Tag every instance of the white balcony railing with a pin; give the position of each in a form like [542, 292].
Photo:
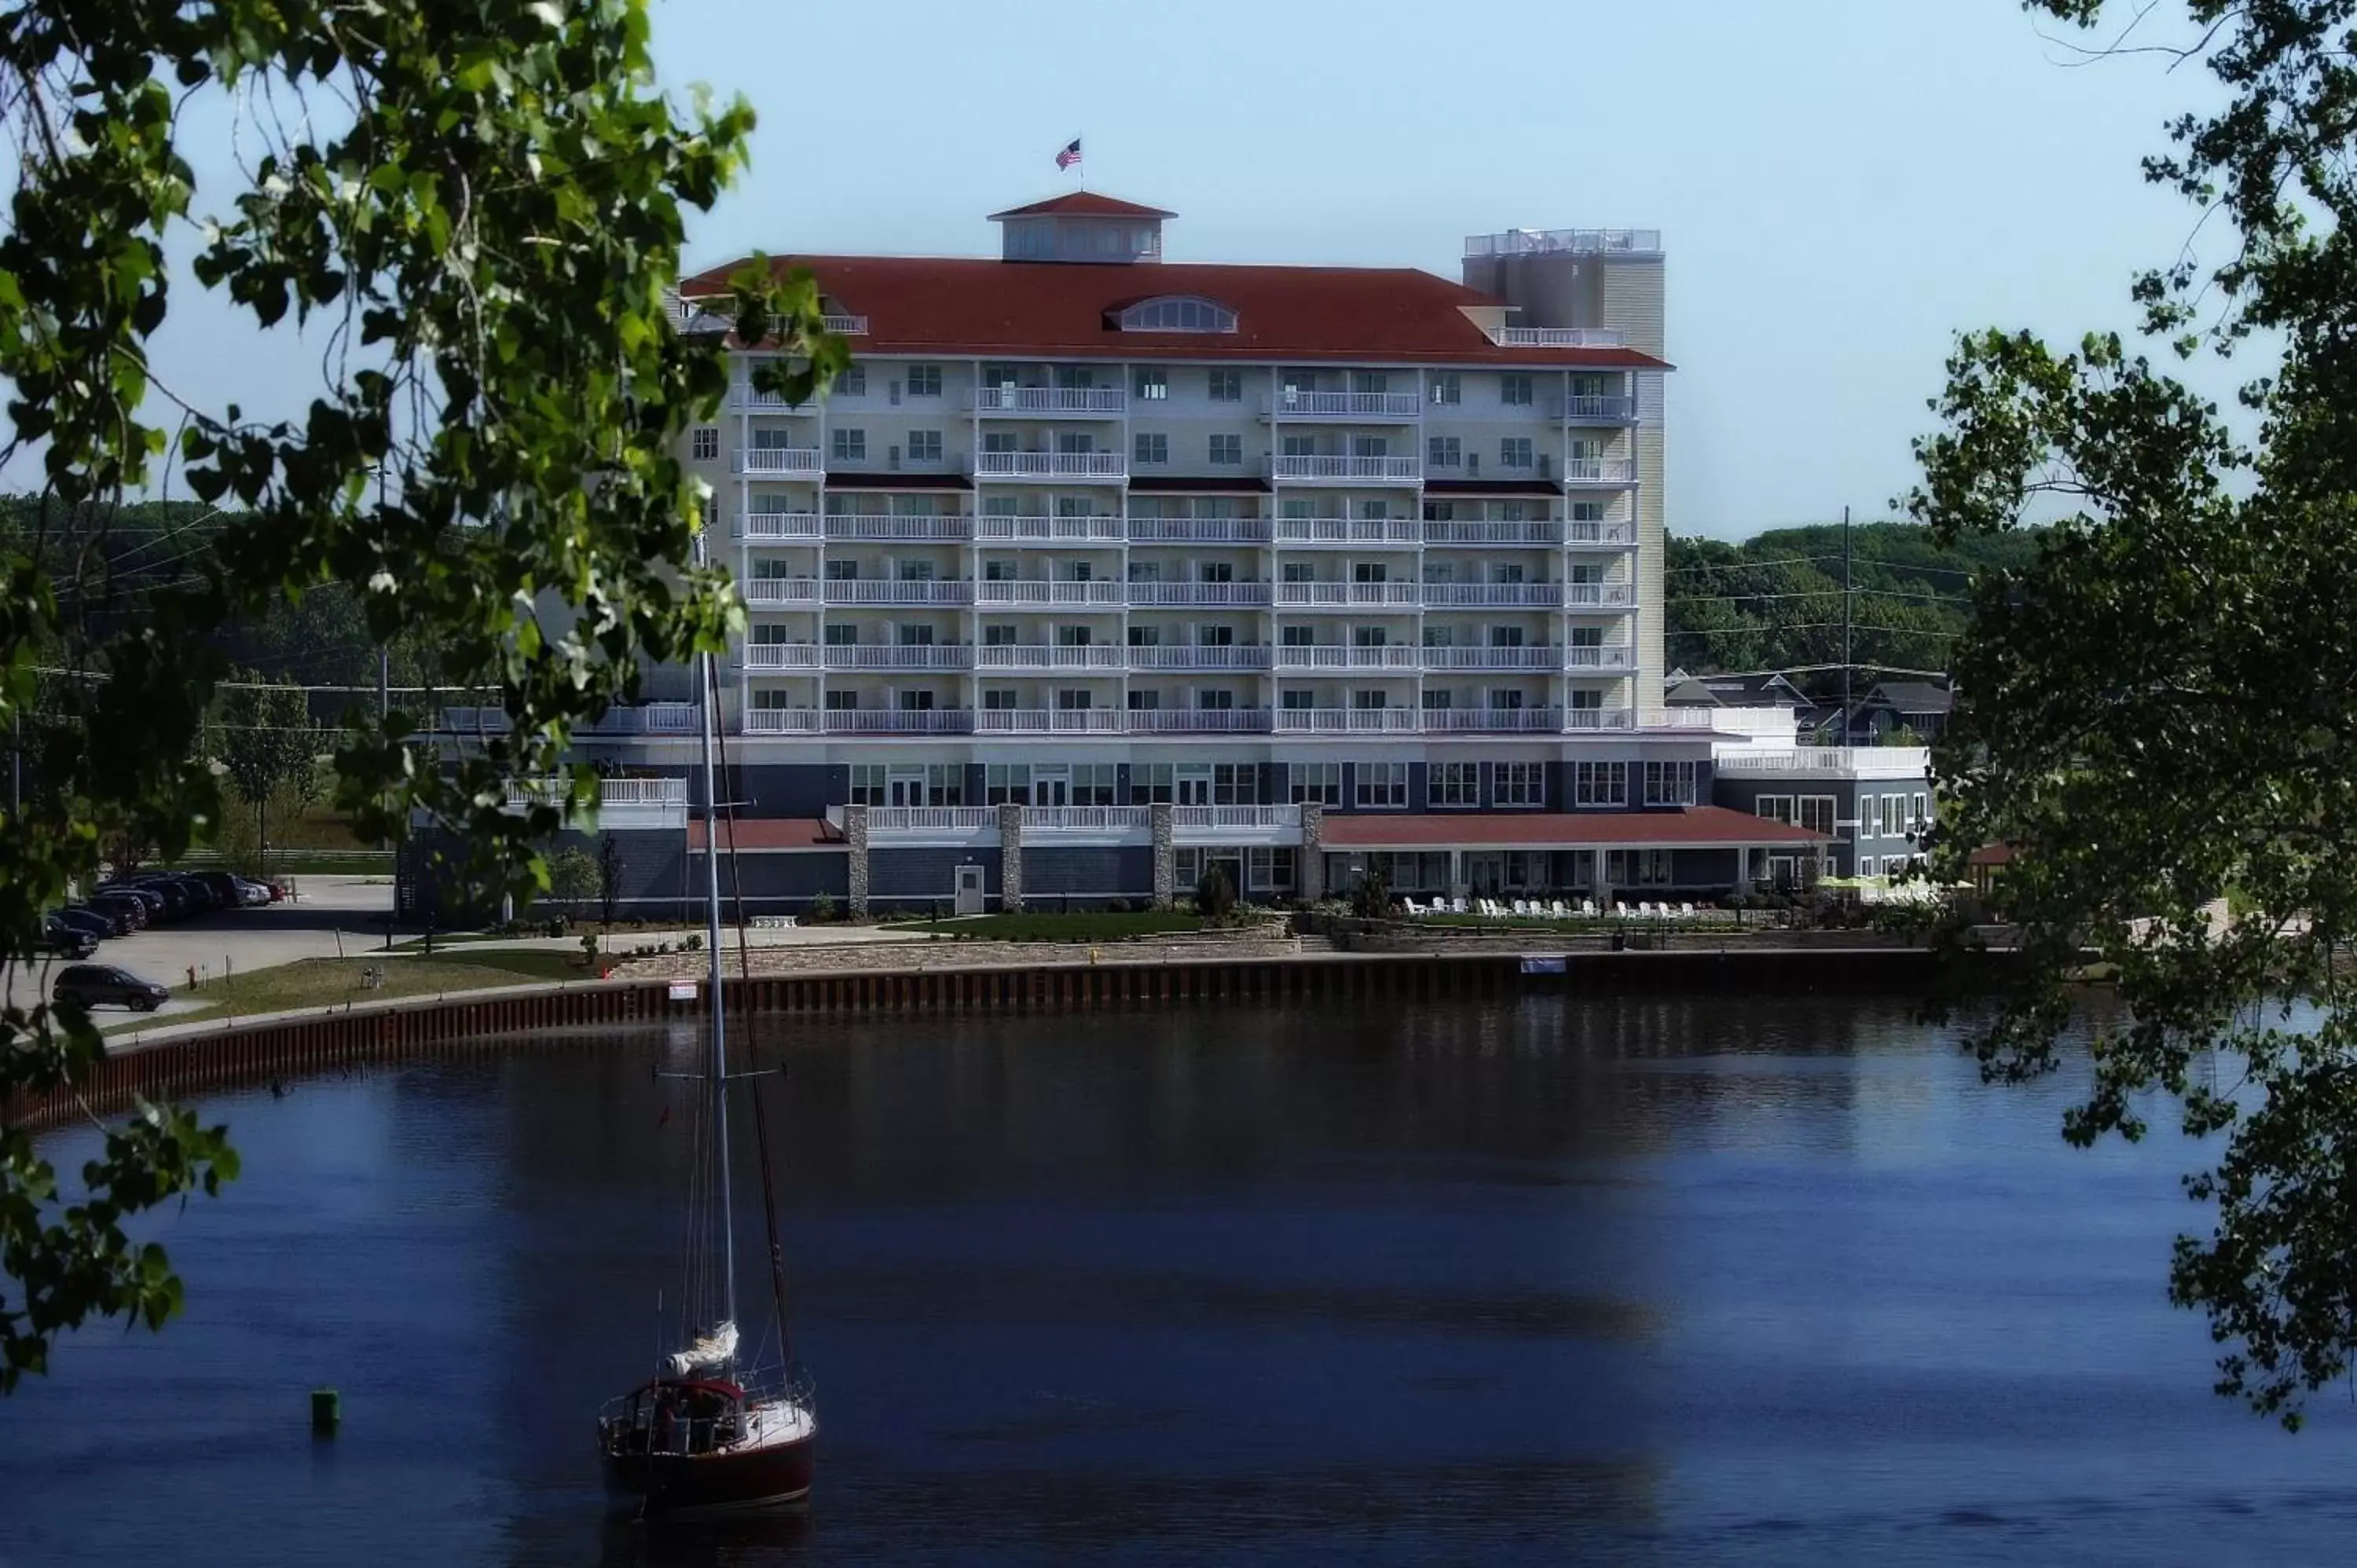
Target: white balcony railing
[1594, 656]
[647, 718]
[1088, 819]
[1678, 718]
[849, 326]
[1840, 761]
[1401, 531]
[1041, 656]
[1496, 721]
[899, 721]
[1524, 595]
[1203, 819]
[1199, 531]
[762, 592]
[742, 394]
[1295, 404]
[1049, 400]
[893, 591]
[1346, 721]
[1347, 595]
[1030, 591]
[805, 461]
[1596, 410]
[1614, 532]
[1049, 530]
[1581, 719]
[1049, 721]
[901, 530]
[1389, 655]
[1197, 721]
[1050, 466]
[1565, 242]
[930, 819]
[802, 527]
[1544, 656]
[1346, 470]
[627, 793]
[1558, 337]
[1599, 470]
[782, 656]
[781, 721]
[1149, 595]
[1246, 656]
[1537, 531]
[898, 656]
[1599, 596]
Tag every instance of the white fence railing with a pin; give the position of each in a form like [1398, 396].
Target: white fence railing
[782, 656]
[1541, 656]
[1346, 721]
[1293, 403]
[804, 460]
[1020, 591]
[1200, 819]
[1347, 596]
[930, 530]
[1043, 656]
[1051, 465]
[1496, 721]
[1565, 242]
[802, 527]
[1558, 337]
[930, 819]
[1539, 532]
[766, 591]
[895, 656]
[1842, 761]
[1402, 530]
[1088, 819]
[1049, 530]
[1599, 470]
[1389, 656]
[899, 721]
[1198, 721]
[781, 721]
[1529, 596]
[1199, 531]
[1049, 721]
[1596, 410]
[1346, 470]
[1050, 399]
[1149, 594]
[1246, 656]
[882, 591]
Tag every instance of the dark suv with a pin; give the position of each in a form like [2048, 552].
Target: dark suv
[89, 984]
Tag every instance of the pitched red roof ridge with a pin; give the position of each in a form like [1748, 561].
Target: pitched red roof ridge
[1086, 204]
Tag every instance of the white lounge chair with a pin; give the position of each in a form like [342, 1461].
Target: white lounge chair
[1457, 907]
[1685, 911]
[1588, 909]
[1521, 909]
[1410, 905]
[1555, 911]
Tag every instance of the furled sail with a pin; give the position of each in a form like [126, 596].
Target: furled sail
[709, 1353]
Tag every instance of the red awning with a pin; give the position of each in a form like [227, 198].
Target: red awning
[769, 834]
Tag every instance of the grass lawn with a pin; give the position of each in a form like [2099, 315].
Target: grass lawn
[319, 981]
[1082, 926]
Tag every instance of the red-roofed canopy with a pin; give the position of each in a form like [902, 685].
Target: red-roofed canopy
[1082, 204]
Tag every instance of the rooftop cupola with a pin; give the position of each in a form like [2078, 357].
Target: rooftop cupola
[1081, 226]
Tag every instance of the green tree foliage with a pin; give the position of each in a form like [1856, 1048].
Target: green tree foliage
[2161, 704]
[1215, 896]
[1774, 601]
[266, 742]
[475, 212]
[572, 878]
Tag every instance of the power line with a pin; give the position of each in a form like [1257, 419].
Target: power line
[1826, 593]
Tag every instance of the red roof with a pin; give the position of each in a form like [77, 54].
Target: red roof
[769, 834]
[977, 307]
[1691, 827]
[1084, 204]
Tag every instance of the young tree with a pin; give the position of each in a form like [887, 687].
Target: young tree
[609, 878]
[266, 742]
[572, 879]
[477, 210]
[2162, 707]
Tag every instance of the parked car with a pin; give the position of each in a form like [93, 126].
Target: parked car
[97, 926]
[93, 984]
[117, 923]
[252, 895]
[133, 910]
[151, 899]
[224, 887]
[67, 941]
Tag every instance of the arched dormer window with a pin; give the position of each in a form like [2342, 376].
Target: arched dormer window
[1176, 313]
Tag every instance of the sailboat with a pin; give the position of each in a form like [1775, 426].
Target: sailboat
[713, 1432]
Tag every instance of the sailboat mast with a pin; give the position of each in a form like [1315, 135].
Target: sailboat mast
[708, 679]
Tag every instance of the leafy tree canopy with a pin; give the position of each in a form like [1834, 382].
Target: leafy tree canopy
[2156, 708]
[476, 208]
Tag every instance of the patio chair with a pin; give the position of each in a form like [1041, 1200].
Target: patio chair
[1521, 909]
[1588, 909]
[1685, 911]
[1555, 911]
[1457, 907]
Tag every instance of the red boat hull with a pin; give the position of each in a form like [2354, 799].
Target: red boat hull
[689, 1486]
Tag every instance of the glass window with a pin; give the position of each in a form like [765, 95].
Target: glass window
[1227, 450]
[1006, 784]
[1177, 315]
[848, 445]
[1670, 783]
[1227, 386]
[924, 446]
[1380, 786]
[708, 443]
[1153, 384]
[1514, 452]
[1152, 448]
[1448, 389]
[1518, 783]
[1600, 784]
[1816, 813]
[924, 380]
[1318, 783]
[945, 784]
[1445, 452]
[1453, 784]
[1775, 808]
[868, 784]
[852, 382]
[1514, 390]
[842, 702]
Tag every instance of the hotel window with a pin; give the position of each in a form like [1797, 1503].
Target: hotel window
[1144, 701]
[1000, 441]
[1297, 699]
[708, 443]
[1272, 869]
[1514, 390]
[1227, 386]
[1448, 389]
[1669, 783]
[848, 445]
[1235, 783]
[1006, 784]
[1215, 699]
[1894, 816]
[1773, 808]
[1073, 700]
[1227, 450]
[1816, 813]
[1145, 635]
[852, 382]
[1093, 783]
[924, 446]
[1600, 784]
[945, 784]
[1152, 450]
[924, 380]
[868, 784]
[999, 700]
[840, 634]
[1366, 702]
[916, 701]
[1514, 452]
[1438, 699]
[1380, 785]
[1152, 385]
[843, 702]
[1518, 783]
[1296, 637]
[1314, 783]
[841, 569]
[1444, 452]
[1587, 511]
[1922, 815]
[1149, 782]
[1453, 784]
[1299, 571]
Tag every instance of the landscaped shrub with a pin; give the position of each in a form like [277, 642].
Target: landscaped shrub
[1215, 896]
[1371, 899]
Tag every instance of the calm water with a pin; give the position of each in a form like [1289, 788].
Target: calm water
[1640, 1281]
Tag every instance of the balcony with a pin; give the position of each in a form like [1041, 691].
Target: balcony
[1595, 409]
[883, 591]
[1617, 533]
[1231, 596]
[1610, 656]
[930, 819]
[1578, 720]
[646, 718]
[1100, 656]
[1092, 594]
[769, 593]
[1680, 718]
[1346, 470]
[1493, 596]
[898, 721]
[1248, 656]
[741, 394]
[847, 325]
[1497, 721]
[1087, 819]
[1538, 532]
[1050, 721]
[1600, 471]
[1544, 656]
[1558, 337]
[1048, 402]
[1049, 530]
[898, 656]
[782, 462]
[1599, 596]
[1828, 761]
[1213, 819]
[1403, 531]
[1197, 721]
[1105, 466]
[1199, 531]
[1295, 404]
[1346, 721]
[1347, 595]
[781, 656]
[900, 530]
[1315, 656]
[781, 721]
[781, 527]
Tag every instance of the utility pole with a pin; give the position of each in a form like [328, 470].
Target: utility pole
[1846, 655]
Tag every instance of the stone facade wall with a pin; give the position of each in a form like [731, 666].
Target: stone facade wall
[1166, 864]
[854, 834]
[1010, 857]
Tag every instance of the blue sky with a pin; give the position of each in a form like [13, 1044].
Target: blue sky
[1841, 183]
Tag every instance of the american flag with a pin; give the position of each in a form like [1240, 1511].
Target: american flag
[1070, 154]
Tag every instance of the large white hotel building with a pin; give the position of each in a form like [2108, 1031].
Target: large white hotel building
[1101, 568]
